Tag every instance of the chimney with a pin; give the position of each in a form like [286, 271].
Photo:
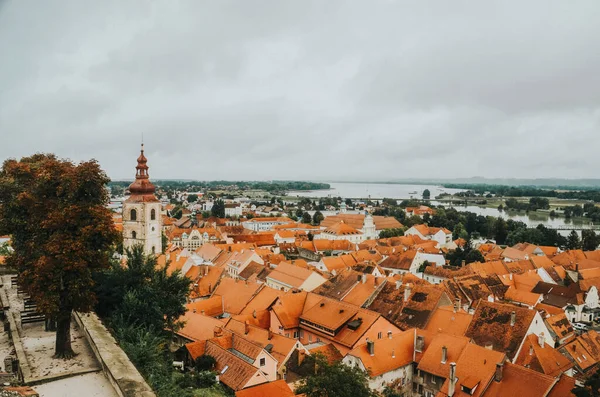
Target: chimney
[541, 339]
[389, 334]
[371, 347]
[531, 349]
[420, 343]
[254, 313]
[498, 373]
[246, 327]
[398, 284]
[270, 336]
[444, 354]
[456, 305]
[218, 331]
[407, 291]
[202, 312]
[513, 318]
[452, 380]
[194, 310]
[463, 263]
[364, 278]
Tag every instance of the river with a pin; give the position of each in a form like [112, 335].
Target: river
[531, 219]
[401, 191]
[374, 191]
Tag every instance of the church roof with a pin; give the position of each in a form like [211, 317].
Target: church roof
[142, 190]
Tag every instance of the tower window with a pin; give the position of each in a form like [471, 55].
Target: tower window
[153, 250]
[153, 214]
[133, 235]
[133, 215]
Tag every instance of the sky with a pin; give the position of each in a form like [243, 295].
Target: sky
[313, 90]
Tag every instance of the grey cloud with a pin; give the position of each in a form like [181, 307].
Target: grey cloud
[305, 89]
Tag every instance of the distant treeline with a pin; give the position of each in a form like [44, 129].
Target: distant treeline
[274, 186]
[584, 193]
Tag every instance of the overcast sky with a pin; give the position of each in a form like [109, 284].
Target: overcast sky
[305, 90]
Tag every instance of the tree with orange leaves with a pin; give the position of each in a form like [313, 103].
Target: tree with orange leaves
[61, 232]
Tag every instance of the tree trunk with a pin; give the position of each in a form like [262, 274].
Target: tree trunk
[50, 323]
[63, 336]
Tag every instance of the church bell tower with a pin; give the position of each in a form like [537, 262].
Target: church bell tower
[141, 212]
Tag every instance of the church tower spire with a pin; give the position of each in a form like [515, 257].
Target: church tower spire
[141, 211]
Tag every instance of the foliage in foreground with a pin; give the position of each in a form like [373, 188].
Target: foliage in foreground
[591, 387]
[335, 380]
[141, 304]
[61, 232]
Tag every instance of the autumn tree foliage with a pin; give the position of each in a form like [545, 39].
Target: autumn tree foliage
[61, 232]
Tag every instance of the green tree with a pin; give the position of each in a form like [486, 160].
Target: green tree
[306, 218]
[474, 256]
[591, 387]
[500, 231]
[424, 266]
[124, 292]
[218, 209]
[5, 249]
[192, 198]
[573, 241]
[387, 233]
[335, 380]
[164, 241]
[589, 240]
[317, 218]
[62, 232]
[426, 194]
[460, 231]
[205, 363]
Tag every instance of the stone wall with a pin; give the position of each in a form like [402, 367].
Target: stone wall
[123, 375]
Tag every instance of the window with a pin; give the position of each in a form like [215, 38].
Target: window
[133, 215]
[133, 235]
[309, 337]
[153, 249]
[296, 334]
[379, 335]
[262, 362]
[153, 214]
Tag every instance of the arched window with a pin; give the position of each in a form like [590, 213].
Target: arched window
[153, 248]
[153, 214]
[133, 235]
[133, 215]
